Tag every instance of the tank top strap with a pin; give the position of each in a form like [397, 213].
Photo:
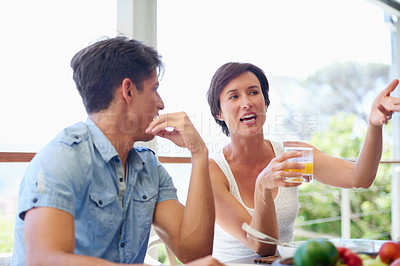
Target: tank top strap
[278, 147]
[233, 187]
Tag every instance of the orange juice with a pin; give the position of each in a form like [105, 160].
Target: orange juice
[307, 173]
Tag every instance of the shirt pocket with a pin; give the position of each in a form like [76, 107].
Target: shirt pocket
[104, 214]
[102, 199]
[144, 203]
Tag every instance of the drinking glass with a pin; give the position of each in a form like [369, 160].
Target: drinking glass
[306, 159]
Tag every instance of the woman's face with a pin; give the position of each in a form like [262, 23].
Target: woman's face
[243, 105]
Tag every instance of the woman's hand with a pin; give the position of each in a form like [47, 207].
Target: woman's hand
[272, 176]
[384, 106]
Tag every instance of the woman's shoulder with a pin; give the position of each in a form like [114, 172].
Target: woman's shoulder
[278, 146]
[216, 160]
[217, 174]
[212, 162]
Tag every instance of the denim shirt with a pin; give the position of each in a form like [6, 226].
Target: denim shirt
[80, 172]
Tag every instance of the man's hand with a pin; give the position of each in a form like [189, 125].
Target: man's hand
[178, 128]
[384, 105]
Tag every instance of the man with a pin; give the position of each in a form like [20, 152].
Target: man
[89, 198]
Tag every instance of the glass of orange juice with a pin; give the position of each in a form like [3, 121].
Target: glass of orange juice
[306, 159]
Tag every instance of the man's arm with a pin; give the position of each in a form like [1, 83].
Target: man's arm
[188, 230]
[50, 240]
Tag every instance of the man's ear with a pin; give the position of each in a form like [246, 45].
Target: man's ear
[127, 87]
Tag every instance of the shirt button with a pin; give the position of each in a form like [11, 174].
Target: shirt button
[122, 245]
[100, 202]
[34, 200]
[144, 197]
[121, 179]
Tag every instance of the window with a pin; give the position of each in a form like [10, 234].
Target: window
[289, 40]
[38, 97]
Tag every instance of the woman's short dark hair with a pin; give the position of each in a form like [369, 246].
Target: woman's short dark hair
[101, 67]
[222, 77]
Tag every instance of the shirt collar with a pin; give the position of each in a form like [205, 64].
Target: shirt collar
[107, 150]
[101, 142]
[138, 161]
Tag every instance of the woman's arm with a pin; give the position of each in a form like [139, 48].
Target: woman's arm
[340, 173]
[230, 214]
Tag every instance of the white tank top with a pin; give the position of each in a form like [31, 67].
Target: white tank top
[226, 247]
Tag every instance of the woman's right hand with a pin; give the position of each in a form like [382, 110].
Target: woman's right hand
[384, 105]
[272, 176]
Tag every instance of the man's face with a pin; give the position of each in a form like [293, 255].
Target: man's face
[145, 106]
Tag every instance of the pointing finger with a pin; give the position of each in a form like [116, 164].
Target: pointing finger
[390, 87]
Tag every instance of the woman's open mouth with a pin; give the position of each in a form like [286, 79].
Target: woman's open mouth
[248, 119]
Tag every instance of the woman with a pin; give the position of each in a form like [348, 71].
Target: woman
[247, 176]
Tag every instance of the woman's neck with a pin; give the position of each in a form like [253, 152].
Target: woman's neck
[247, 149]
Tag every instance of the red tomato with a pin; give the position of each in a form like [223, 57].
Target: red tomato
[389, 252]
[349, 257]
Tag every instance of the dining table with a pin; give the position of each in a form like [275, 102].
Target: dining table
[246, 261]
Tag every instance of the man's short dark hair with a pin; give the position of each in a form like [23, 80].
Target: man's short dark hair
[101, 67]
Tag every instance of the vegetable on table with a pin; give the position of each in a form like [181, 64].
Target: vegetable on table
[316, 252]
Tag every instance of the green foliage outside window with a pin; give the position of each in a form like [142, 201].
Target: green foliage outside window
[370, 207]
[6, 232]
